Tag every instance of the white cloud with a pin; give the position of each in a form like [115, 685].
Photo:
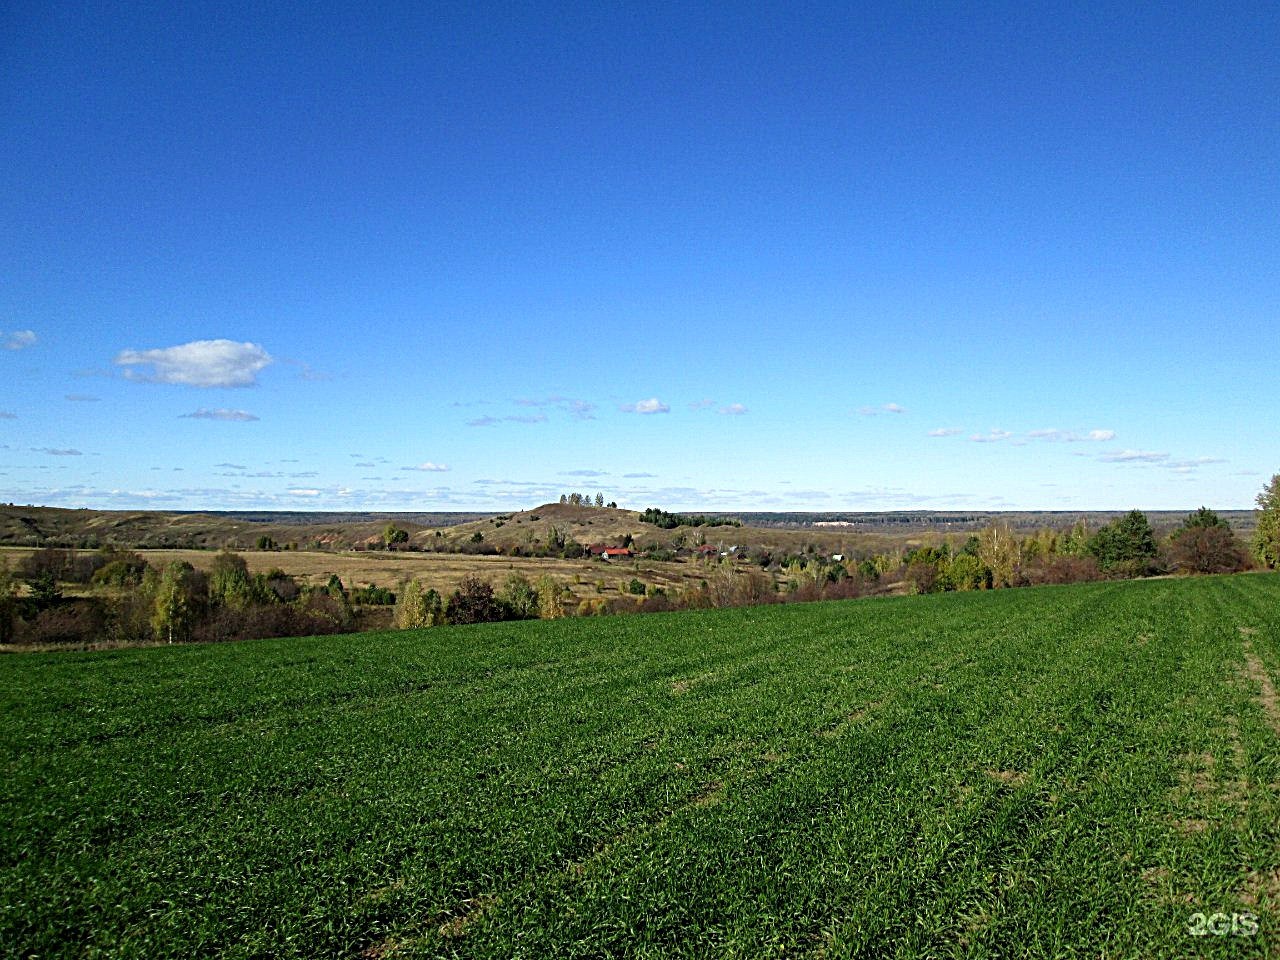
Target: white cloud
[304, 492]
[201, 363]
[652, 405]
[993, 436]
[733, 410]
[1133, 456]
[429, 467]
[946, 432]
[1101, 436]
[233, 416]
[893, 408]
[18, 339]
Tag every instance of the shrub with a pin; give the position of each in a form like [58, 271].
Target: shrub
[373, 596]
[71, 622]
[520, 597]
[474, 602]
[1207, 549]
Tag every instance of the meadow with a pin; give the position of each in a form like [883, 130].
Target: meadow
[1091, 770]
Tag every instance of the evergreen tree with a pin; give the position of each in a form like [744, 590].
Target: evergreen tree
[1128, 540]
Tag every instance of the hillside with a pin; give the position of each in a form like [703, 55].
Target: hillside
[39, 526]
[847, 533]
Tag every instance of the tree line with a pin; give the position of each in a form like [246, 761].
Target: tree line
[132, 601]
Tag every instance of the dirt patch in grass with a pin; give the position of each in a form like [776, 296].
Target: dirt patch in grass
[381, 893]
[1261, 887]
[1257, 674]
[709, 795]
[1014, 778]
[685, 684]
[845, 722]
[472, 910]
[377, 951]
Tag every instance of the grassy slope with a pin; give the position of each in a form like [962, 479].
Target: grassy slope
[1050, 772]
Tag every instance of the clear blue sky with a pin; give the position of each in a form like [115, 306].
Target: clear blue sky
[450, 256]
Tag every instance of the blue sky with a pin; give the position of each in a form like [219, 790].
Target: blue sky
[777, 257]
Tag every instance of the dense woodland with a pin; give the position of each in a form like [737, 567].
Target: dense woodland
[131, 601]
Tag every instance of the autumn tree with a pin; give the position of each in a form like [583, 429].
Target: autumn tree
[1205, 543]
[520, 596]
[229, 582]
[8, 601]
[417, 607]
[1266, 538]
[178, 598]
[998, 551]
[550, 599]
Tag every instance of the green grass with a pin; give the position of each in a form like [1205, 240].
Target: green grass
[1064, 771]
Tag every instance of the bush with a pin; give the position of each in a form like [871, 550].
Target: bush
[520, 597]
[1207, 549]
[373, 596]
[474, 602]
[80, 622]
[121, 571]
[1060, 569]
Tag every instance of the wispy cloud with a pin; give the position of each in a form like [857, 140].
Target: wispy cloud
[201, 363]
[652, 405]
[1054, 435]
[309, 373]
[6, 415]
[511, 418]
[18, 339]
[231, 466]
[946, 432]
[1191, 465]
[1133, 456]
[991, 436]
[584, 473]
[58, 451]
[429, 467]
[732, 410]
[870, 411]
[638, 476]
[578, 409]
[222, 413]
[81, 398]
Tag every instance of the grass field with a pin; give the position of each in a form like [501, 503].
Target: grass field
[1063, 771]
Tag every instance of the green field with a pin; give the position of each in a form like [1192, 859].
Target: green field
[1060, 771]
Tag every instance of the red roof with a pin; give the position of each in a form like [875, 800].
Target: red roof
[616, 552]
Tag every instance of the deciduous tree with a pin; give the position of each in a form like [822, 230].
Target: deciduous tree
[1266, 539]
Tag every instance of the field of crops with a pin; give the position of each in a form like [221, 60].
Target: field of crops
[1062, 771]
